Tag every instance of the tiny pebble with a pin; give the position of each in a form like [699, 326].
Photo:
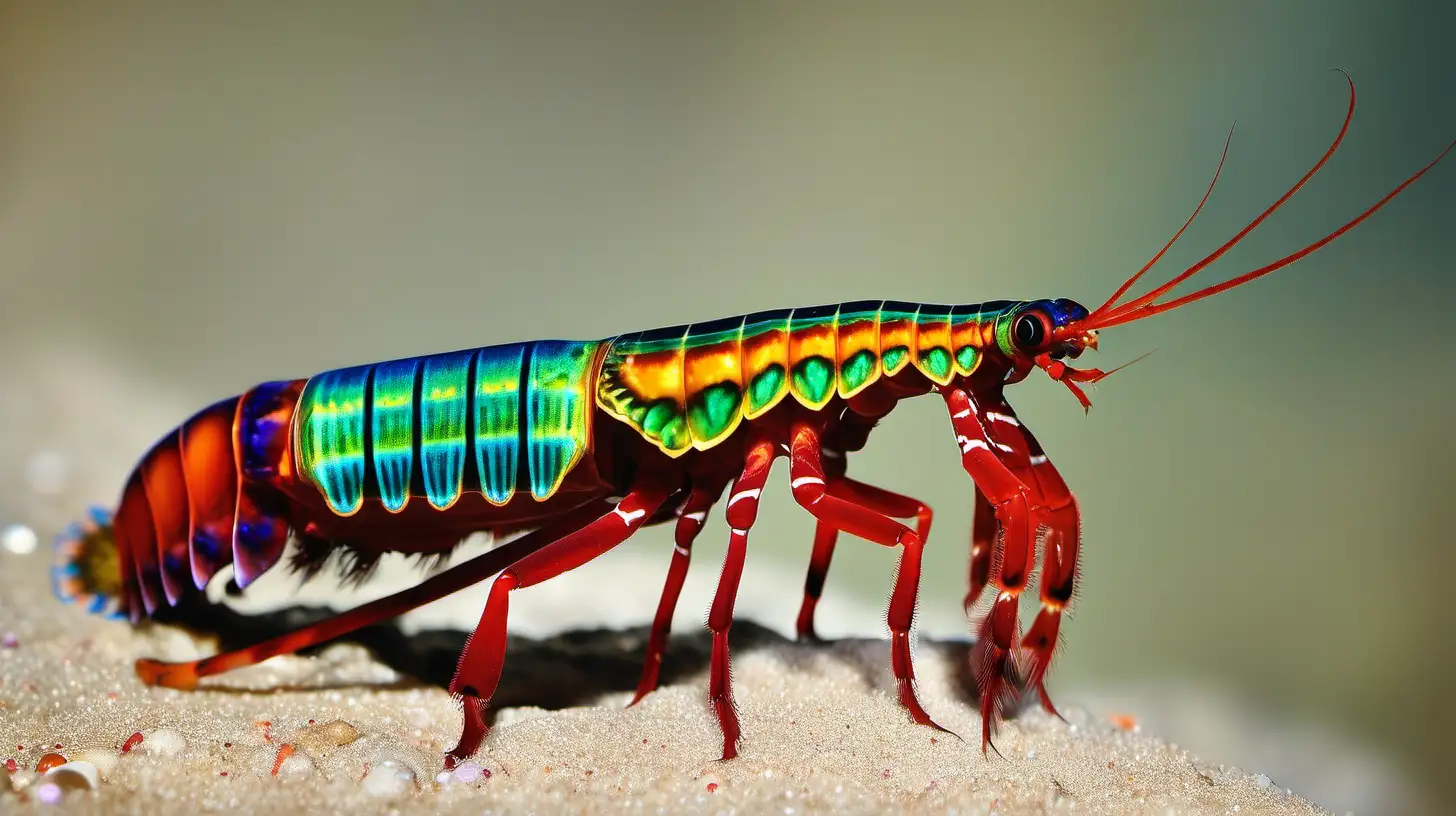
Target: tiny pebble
[131, 742]
[467, 772]
[76, 775]
[49, 761]
[295, 766]
[320, 739]
[48, 792]
[340, 732]
[164, 742]
[1264, 781]
[388, 779]
[10, 640]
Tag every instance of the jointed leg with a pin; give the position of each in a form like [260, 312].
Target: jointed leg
[852, 516]
[825, 537]
[983, 543]
[1010, 562]
[478, 673]
[877, 499]
[1056, 508]
[1055, 511]
[860, 417]
[186, 675]
[689, 524]
[741, 513]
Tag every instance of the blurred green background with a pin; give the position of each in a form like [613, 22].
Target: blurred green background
[196, 197]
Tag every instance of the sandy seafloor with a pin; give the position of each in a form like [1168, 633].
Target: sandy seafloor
[823, 732]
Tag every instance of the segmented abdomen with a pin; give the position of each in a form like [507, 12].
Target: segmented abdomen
[690, 386]
[216, 491]
[204, 497]
[447, 423]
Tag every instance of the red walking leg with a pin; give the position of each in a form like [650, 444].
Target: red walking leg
[825, 537]
[993, 653]
[478, 673]
[1056, 508]
[689, 524]
[186, 675]
[851, 516]
[864, 411]
[741, 513]
[983, 543]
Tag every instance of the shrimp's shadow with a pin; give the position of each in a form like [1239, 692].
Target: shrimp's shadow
[569, 669]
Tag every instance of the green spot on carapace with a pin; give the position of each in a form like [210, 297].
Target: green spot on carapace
[857, 370]
[966, 358]
[813, 379]
[711, 412]
[658, 416]
[894, 358]
[936, 362]
[765, 387]
[674, 434]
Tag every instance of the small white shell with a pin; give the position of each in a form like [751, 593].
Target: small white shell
[77, 775]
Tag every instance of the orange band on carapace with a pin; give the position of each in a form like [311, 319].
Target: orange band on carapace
[680, 388]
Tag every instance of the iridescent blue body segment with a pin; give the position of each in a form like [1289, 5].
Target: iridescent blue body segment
[448, 423]
[444, 404]
[498, 419]
[331, 435]
[393, 418]
[556, 411]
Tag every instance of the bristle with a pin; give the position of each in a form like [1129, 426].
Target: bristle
[356, 567]
[310, 555]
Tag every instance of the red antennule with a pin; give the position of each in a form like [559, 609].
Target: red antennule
[1128, 284]
[1143, 306]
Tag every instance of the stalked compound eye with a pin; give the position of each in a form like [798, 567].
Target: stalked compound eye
[1030, 330]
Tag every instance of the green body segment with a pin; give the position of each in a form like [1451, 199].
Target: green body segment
[393, 428]
[498, 420]
[688, 387]
[331, 436]
[557, 405]
[444, 404]
[453, 423]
